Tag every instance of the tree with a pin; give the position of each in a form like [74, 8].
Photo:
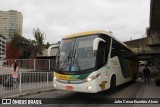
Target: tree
[39, 37]
[25, 46]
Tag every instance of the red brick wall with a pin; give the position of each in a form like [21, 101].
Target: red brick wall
[10, 54]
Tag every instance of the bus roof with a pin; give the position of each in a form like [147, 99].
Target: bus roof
[87, 34]
[95, 32]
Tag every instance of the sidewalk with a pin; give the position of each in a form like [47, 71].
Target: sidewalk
[28, 82]
[7, 70]
[25, 88]
[149, 90]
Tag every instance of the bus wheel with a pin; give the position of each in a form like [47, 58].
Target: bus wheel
[113, 83]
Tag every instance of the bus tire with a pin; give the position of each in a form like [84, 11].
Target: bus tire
[113, 83]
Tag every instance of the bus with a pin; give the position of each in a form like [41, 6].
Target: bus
[94, 61]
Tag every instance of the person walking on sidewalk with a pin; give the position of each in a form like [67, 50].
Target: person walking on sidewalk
[14, 71]
[146, 72]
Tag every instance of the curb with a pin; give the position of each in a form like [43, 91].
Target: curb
[29, 93]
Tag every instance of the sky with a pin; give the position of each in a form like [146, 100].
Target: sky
[127, 19]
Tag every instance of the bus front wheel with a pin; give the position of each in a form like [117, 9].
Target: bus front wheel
[113, 83]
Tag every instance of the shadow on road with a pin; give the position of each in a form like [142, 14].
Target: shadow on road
[102, 94]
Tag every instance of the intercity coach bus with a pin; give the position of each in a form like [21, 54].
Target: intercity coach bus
[93, 61]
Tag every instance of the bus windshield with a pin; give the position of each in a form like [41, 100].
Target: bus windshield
[76, 54]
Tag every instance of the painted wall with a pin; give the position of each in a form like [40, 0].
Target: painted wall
[10, 54]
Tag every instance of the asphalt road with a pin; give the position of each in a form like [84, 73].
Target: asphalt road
[128, 90]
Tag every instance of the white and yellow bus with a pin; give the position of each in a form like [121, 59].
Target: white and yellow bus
[94, 61]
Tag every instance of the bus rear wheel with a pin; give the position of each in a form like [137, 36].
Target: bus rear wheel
[113, 83]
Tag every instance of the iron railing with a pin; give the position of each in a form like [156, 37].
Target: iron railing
[29, 64]
[27, 82]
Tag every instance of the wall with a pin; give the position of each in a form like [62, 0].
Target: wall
[11, 54]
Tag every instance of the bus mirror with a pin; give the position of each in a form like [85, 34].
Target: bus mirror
[52, 47]
[96, 43]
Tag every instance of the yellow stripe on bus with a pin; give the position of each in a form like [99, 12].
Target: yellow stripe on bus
[63, 77]
[84, 34]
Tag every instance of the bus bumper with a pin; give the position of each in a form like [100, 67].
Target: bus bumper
[88, 87]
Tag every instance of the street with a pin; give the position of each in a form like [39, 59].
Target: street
[138, 89]
[128, 90]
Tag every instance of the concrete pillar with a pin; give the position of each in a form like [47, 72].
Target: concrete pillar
[153, 38]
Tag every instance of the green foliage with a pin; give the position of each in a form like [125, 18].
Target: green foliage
[25, 46]
[39, 37]
[29, 47]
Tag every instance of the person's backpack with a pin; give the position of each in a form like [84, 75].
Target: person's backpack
[8, 82]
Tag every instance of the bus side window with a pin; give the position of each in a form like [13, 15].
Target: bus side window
[113, 53]
[102, 54]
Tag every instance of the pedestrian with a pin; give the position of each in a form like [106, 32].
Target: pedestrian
[14, 71]
[146, 72]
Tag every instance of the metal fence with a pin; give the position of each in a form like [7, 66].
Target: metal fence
[28, 64]
[27, 82]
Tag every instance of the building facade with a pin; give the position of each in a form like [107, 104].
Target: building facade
[2, 47]
[10, 23]
[139, 46]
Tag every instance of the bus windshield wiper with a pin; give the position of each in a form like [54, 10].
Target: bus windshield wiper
[68, 57]
[75, 59]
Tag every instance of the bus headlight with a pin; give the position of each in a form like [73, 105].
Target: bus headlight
[92, 77]
[55, 78]
[89, 79]
[89, 87]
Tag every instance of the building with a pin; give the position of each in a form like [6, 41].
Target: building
[10, 23]
[149, 48]
[139, 46]
[2, 47]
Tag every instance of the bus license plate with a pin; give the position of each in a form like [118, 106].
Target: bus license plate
[69, 88]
